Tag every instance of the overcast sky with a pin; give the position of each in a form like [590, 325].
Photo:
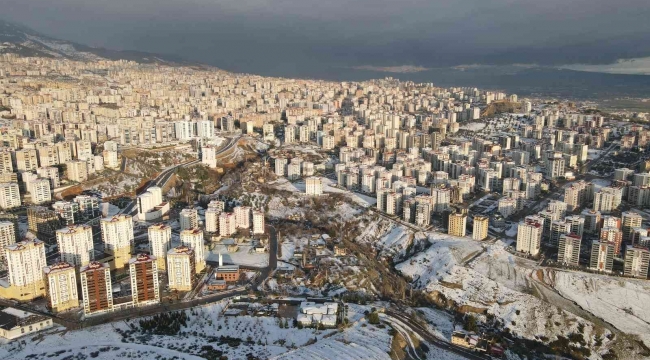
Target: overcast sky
[267, 36]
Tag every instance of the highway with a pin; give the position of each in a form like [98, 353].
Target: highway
[424, 333]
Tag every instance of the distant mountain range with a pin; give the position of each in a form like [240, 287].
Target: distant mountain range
[24, 41]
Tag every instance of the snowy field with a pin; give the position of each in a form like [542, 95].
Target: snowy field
[621, 302]
[245, 256]
[593, 154]
[207, 328]
[109, 209]
[495, 282]
[473, 126]
[329, 186]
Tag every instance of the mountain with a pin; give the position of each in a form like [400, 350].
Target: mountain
[24, 41]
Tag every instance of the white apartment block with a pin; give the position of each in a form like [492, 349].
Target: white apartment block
[219, 205]
[61, 284]
[227, 224]
[480, 228]
[607, 199]
[9, 196]
[77, 170]
[26, 160]
[602, 256]
[193, 239]
[569, 250]
[6, 164]
[180, 268]
[328, 142]
[293, 171]
[243, 217]
[25, 262]
[209, 156]
[117, 237]
[281, 166]
[507, 206]
[7, 237]
[110, 159]
[637, 260]
[529, 235]
[188, 218]
[160, 242]
[51, 174]
[629, 221]
[314, 186]
[75, 244]
[212, 220]
[40, 191]
[258, 222]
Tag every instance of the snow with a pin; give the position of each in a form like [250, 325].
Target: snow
[109, 209]
[512, 230]
[474, 126]
[329, 186]
[440, 324]
[245, 256]
[357, 342]
[258, 335]
[491, 280]
[445, 252]
[619, 301]
[600, 183]
[593, 154]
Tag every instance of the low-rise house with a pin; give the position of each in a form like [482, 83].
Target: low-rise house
[15, 323]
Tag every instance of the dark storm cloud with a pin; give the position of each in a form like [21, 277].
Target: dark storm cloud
[281, 36]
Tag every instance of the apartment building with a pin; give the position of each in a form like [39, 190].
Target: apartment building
[258, 223]
[75, 244]
[9, 196]
[193, 239]
[314, 186]
[480, 228]
[637, 260]
[25, 263]
[117, 237]
[569, 249]
[77, 170]
[143, 272]
[181, 269]
[242, 217]
[61, 287]
[160, 242]
[529, 235]
[189, 218]
[457, 224]
[227, 224]
[96, 288]
[602, 256]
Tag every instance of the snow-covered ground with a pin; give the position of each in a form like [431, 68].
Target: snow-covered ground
[329, 186]
[600, 183]
[245, 256]
[473, 126]
[261, 336]
[109, 209]
[621, 302]
[495, 282]
[594, 154]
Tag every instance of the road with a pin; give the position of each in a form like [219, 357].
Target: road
[424, 333]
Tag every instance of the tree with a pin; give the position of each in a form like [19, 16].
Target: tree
[373, 318]
[470, 323]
